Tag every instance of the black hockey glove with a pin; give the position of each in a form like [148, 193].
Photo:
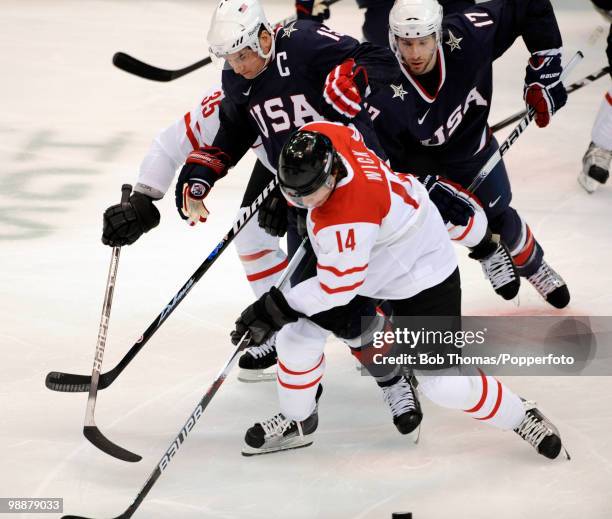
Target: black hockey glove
[203, 167]
[272, 216]
[453, 208]
[316, 10]
[543, 88]
[301, 225]
[266, 315]
[123, 225]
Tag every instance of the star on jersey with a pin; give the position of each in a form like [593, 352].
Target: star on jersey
[398, 91]
[453, 42]
[287, 31]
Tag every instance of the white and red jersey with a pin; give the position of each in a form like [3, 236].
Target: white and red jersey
[170, 148]
[378, 234]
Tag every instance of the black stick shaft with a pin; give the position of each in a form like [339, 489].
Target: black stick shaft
[203, 403]
[141, 69]
[57, 380]
[516, 133]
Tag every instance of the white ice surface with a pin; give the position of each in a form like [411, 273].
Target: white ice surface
[73, 129]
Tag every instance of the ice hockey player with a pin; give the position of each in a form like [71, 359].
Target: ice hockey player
[465, 223]
[267, 111]
[276, 81]
[433, 116]
[596, 160]
[375, 18]
[376, 234]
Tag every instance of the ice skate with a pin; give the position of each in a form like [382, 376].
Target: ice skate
[595, 168]
[258, 363]
[279, 433]
[550, 286]
[498, 267]
[403, 401]
[537, 430]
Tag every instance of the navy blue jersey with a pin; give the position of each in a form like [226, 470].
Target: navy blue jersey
[289, 92]
[451, 125]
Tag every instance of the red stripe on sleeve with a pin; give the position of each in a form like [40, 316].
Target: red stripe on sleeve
[189, 132]
[398, 189]
[255, 255]
[340, 273]
[340, 289]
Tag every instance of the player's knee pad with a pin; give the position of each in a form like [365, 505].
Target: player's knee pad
[448, 388]
[300, 367]
[261, 256]
[299, 345]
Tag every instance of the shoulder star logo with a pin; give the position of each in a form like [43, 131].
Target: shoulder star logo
[287, 31]
[453, 42]
[398, 91]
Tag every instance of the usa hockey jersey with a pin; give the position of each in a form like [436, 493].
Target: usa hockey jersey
[288, 93]
[451, 124]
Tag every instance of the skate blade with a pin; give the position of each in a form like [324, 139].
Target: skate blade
[248, 451]
[257, 375]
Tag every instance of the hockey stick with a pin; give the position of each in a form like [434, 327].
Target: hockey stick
[68, 382]
[572, 88]
[199, 410]
[90, 429]
[141, 69]
[505, 146]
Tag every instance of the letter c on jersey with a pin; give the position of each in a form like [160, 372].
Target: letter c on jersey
[282, 70]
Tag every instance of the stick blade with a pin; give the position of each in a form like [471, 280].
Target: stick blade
[72, 383]
[93, 434]
[134, 66]
[67, 382]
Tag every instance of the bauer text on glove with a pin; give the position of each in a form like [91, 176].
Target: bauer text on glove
[544, 91]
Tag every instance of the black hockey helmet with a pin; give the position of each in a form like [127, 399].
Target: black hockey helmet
[306, 163]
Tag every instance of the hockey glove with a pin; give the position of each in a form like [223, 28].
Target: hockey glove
[202, 168]
[544, 91]
[301, 223]
[123, 225]
[272, 216]
[453, 208]
[265, 316]
[344, 88]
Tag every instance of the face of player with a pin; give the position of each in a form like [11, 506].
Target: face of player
[247, 62]
[418, 54]
[316, 199]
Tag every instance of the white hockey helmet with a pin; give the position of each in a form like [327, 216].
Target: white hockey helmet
[414, 19]
[236, 24]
